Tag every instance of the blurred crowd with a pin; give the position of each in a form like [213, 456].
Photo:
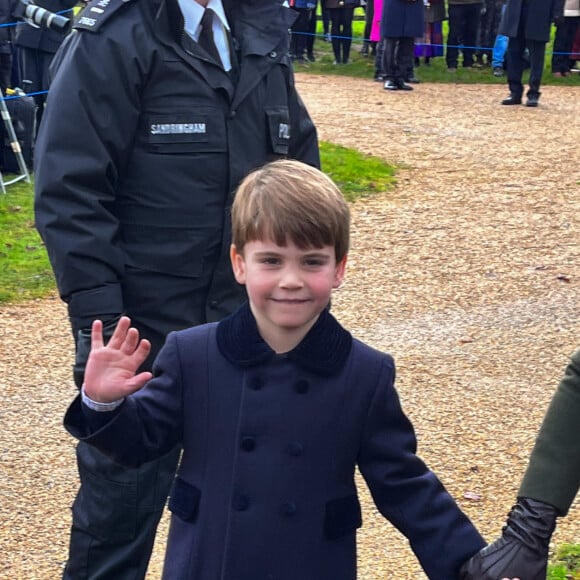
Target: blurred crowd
[473, 40]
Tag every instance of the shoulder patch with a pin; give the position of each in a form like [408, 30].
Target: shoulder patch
[96, 13]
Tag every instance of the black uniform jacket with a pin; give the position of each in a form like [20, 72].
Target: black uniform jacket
[541, 14]
[266, 488]
[142, 143]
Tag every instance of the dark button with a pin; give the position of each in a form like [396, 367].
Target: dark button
[248, 443]
[241, 502]
[213, 304]
[295, 449]
[288, 508]
[301, 386]
[256, 383]
[233, 114]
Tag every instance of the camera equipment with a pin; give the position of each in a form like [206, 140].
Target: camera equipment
[35, 15]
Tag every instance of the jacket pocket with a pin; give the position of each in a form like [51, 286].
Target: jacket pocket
[342, 516]
[279, 127]
[184, 500]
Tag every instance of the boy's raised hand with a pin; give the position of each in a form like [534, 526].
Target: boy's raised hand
[110, 371]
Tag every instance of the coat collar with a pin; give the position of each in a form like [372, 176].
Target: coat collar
[323, 351]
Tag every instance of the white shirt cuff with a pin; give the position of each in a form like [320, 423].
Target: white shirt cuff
[99, 407]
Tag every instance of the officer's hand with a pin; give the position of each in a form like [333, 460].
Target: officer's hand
[111, 368]
[522, 551]
[83, 347]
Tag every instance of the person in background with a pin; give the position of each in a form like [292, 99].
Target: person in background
[499, 49]
[376, 37]
[402, 21]
[311, 33]
[566, 27]
[487, 32]
[548, 488]
[6, 46]
[341, 13]
[527, 23]
[431, 44]
[276, 407]
[36, 49]
[300, 29]
[464, 18]
[369, 47]
[157, 110]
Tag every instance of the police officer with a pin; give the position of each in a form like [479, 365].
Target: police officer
[157, 109]
[547, 491]
[36, 49]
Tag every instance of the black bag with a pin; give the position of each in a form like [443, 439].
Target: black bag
[23, 114]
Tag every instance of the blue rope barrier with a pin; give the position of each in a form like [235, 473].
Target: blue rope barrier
[360, 39]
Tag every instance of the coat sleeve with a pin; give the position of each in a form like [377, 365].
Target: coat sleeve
[407, 493]
[147, 425]
[83, 144]
[553, 473]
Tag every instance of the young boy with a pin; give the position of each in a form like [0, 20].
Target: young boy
[274, 407]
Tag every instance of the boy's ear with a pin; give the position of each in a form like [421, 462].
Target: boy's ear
[238, 265]
[339, 272]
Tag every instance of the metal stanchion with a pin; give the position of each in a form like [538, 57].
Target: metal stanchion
[15, 146]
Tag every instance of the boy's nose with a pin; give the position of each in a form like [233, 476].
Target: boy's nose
[290, 278]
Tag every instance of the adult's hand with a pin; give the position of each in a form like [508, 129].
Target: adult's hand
[522, 550]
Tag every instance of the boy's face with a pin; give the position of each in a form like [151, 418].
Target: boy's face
[288, 287]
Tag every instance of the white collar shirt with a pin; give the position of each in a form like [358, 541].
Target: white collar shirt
[192, 15]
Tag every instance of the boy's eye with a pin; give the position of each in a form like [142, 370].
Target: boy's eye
[314, 262]
[270, 260]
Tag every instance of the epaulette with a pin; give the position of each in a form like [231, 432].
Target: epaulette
[97, 12]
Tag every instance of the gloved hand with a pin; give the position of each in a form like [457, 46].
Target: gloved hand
[522, 550]
[83, 347]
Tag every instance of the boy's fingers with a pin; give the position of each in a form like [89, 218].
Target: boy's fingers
[120, 332]
[96, 334]
[141, 352]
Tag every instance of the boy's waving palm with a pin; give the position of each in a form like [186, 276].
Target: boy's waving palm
[111, 369]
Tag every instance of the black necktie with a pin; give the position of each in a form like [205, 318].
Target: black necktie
[206, 36]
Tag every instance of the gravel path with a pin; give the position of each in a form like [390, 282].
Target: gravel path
[468, 273]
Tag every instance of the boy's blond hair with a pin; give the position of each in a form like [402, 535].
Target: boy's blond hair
[289, 200]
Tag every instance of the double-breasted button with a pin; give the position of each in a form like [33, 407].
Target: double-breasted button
[288, 508]
[248, 443]
[273, 54]
[241, 502]
[301, 386]
[256, 383]
[295, 449]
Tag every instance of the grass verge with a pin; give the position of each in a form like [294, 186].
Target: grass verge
[566, 563]
[25, 272]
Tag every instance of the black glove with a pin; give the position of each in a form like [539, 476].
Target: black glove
[83, 347]
[522, 551]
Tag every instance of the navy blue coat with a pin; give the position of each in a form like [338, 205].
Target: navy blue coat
[541, 14]
[403, 18]
[266, 487]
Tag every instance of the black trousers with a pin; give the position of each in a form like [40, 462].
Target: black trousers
[516, 62]
[463, 27]
[563, 42]
[299, 32]
[341, 31]
[398, 58]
